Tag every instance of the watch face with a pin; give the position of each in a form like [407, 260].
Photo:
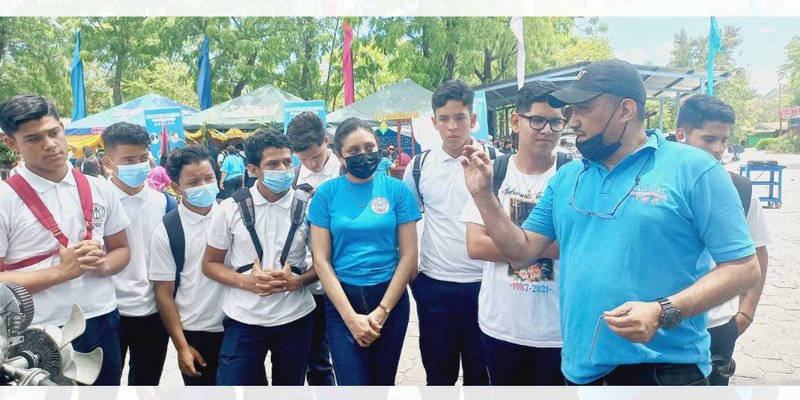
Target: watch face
[670, 318]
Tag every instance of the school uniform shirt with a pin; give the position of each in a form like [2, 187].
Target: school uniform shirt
[23, 236]
[135, 294]
[757, 224]
[519, 304]
[330, 170]
[443, 255]
[273, 221]
[198, 297]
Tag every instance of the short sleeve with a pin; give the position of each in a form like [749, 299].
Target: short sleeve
[319, 211]
[408, 179]
[718, 216]
[117, 218]
[471, 214]
[162, 262]
[226, 165]
[757, 223]
[406, 208]
[219, 236]
[5, 229]
[540, 219]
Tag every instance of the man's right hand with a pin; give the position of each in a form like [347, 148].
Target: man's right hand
[187, 357]
[81, 253]
[477, 170]
[265, 283]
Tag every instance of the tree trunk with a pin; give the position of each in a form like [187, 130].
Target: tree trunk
[116, 84]
[487, 65]
[330, 61]
[240, 85]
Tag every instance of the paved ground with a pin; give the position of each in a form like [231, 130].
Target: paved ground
[767, 354]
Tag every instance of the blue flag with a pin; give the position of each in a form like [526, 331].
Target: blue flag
[714, 47]
[204, 77]
[76, 80]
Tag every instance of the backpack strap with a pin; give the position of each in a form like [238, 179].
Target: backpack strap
[298, 213]
[745, 189]
[416, 170]
[43, 215]
[177, 243]
[500, 169]
[246, 208]
[296, 175]
[561, 159]
[171, 203]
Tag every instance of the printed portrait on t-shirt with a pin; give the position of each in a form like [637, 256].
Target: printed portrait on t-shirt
[540, 270]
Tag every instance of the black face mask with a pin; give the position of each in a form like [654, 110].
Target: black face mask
[595, 148]
[363, 165]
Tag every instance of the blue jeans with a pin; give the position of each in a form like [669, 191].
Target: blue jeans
[376, 364]
[320, 370]
[101, 331]
[514, 364]
[449, 331]
[652, 374]
[245, 347]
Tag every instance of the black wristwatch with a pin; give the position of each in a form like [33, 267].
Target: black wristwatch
[670, 315]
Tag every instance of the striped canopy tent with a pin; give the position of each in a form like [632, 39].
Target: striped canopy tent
[86, 131]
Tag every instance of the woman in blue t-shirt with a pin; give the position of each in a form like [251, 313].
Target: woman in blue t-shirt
[364, 241]
[385, 164]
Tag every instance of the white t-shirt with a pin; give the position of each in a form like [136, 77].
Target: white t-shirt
[136, 296]
[22, 236]
[443, 255]
[329, 171]
[198, 297]
[722, 314]
[273, 221]
[519, 305]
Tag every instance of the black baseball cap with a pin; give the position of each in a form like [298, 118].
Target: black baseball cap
[615, 77]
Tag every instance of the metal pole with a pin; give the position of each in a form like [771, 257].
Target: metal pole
[660, 115]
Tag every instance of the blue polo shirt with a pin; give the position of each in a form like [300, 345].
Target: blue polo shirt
[364, 247]
[684, 213]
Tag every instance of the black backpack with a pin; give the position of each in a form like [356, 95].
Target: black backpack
[419, 161]
[501, 167]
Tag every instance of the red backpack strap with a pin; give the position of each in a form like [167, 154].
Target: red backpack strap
[85, 195]
[37, 207]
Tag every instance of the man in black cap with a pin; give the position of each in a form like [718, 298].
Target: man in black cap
[638, 223]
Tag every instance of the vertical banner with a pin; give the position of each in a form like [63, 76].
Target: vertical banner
[481, 129]
[347, 65]
[156, 121]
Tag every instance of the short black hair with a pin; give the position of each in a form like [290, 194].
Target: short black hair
[641, 111]
[305, 130]
[534, 92]
[263, 139]
[702, 108]
[125, 133]
[20, 109]
[347, 127]
[179, 158]
[452, 90]
[239, 146]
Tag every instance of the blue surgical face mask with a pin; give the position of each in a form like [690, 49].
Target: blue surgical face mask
[202, 196]
[278, 181]
[133, 175]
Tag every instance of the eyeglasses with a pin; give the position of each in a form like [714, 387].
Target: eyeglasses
[538, 123]
[600, 214]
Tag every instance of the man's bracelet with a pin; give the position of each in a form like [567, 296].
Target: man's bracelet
[749, 318]
[302, 281]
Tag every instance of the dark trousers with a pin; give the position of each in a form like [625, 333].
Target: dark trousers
[147, 340]
[320, 369]
[208, 345]
[650, 374]
[449, 331]
[101, 331]
[723, 340]
[376, 364]
[245, 347]
[231, 186]
[516, 365]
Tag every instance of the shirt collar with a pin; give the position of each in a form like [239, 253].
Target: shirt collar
[41, 185]
[655, 139]
[283, 202]
[192, 217]
[142, 195]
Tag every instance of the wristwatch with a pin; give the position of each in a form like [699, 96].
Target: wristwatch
[387, 310]
[670, 315]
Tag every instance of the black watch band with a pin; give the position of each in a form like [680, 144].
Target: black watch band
[670, 315]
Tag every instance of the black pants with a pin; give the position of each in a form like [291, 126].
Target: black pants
[320, 369]
[652, 374]
[208, 345]
[723, 340]
[147, 340]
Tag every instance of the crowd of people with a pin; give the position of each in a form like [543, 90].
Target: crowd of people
[640, 263]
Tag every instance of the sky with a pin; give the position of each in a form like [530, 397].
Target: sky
[642, 39]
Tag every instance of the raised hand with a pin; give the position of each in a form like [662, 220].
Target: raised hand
[477, 170]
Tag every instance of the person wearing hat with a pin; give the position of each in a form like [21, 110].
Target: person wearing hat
[638, 222]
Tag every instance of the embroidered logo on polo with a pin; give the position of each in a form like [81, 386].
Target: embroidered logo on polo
[649, 194]
[98, 215]
[379, 205]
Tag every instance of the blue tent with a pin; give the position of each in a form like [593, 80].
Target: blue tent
[132, 111]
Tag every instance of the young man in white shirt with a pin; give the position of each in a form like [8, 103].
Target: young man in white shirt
[88, 244]
[446, 290]
[705, 122]
[518, 308]
[188, 302]
[140, 330]
[267, 305]
[307, 138]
